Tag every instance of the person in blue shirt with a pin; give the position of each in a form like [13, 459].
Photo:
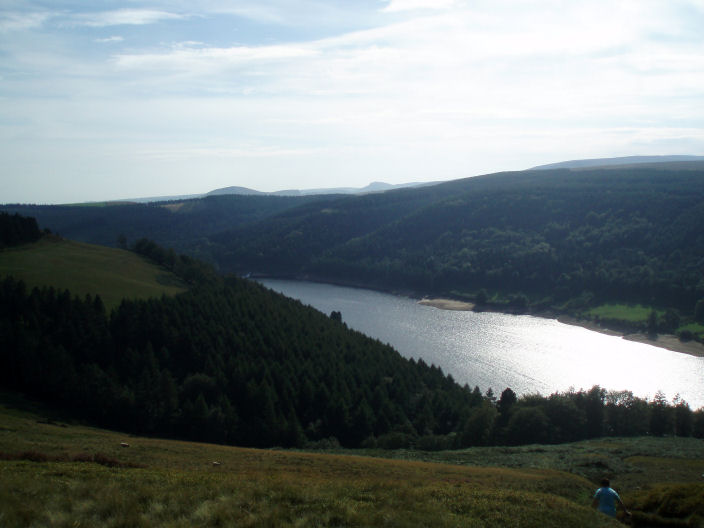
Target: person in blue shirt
[606, 499]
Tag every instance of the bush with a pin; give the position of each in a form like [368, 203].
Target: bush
[436, 442]
[395, 440]
[685, 335]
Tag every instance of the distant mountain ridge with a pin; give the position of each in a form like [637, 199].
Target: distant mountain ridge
[246, 191]
[371, 188]
[571, 236]
[623, 160]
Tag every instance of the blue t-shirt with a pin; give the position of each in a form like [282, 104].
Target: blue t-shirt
[607, 500]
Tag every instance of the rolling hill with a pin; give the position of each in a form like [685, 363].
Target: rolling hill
[562, 240]
[231, 362]
[561, 237]
[54, 474]
[620, 161]
[62, 473]
[87, 269]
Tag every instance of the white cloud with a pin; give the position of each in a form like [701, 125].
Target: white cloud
[107, 40]
[135, 17]
[184, 56]
[408, 5]
[16, 21]
[409, 93]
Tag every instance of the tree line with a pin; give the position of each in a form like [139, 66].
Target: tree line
[16, 229]
[230, 361]
[561, 240]
[556, 240]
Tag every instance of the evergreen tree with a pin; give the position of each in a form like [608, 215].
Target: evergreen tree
[661, 419]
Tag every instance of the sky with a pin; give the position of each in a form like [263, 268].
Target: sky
[103, 100]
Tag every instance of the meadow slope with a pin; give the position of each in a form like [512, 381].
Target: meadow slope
[59, 474]
[84, 269]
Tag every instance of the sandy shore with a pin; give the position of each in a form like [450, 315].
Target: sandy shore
[447, 304]
[667, 341]
[670, 342]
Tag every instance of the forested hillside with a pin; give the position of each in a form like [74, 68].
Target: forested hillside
[560, 240]
[230, 361]
[182, 224]
[227, 361]
[557, 235]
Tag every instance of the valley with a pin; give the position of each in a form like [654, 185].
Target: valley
[166, 344]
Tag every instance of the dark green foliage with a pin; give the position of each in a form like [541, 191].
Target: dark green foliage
[228, 361]
[190, 270]
[233, 362]
[566, 238]
[596, 235]
[16, 229]
[528, 425]
[181, 224]
[652, 323]
[668, 322]
[699, 311]
[683, 417]
[506, 402]
[661, 416]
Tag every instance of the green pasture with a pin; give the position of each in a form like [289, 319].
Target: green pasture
[633, 313]
[60, 474]
[83, 269]
[696, 329]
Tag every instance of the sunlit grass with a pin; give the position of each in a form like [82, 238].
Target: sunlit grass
[634, 313]
[696, 329]
[173, 483]
[83, 269]
[181, 487]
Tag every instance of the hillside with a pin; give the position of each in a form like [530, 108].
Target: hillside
[554, 234]
[226, 361]
[180, 224]
[624, 160]
[566, 241]
[61, 473]
[561, 240]
[86, 269]
[230, 361]
[64, 474]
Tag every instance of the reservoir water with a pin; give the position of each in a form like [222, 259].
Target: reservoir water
[528, 354]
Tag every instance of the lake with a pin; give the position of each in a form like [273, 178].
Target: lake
[528, 354]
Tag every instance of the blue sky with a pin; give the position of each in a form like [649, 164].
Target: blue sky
[107, 100]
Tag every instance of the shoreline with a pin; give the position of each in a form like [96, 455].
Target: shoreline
[666, 341]
[447, 304]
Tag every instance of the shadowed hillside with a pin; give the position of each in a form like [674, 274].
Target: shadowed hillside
[562, 240]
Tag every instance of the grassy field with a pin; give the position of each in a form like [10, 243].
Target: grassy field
[696, 329]
[632, 313]
[88, 269]
[62, 474]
